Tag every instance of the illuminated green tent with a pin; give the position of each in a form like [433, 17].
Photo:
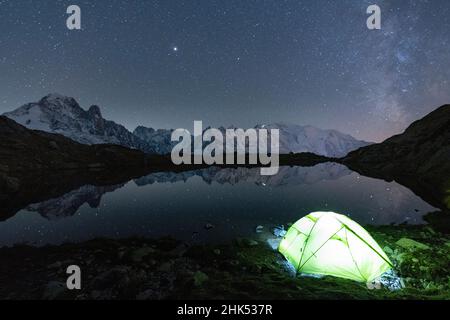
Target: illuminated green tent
[327, 243]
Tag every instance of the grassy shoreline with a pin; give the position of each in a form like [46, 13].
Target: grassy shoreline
[244, 269]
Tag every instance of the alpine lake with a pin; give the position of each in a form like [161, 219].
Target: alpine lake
[212, 233]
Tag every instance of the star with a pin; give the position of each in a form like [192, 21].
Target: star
[175, 49]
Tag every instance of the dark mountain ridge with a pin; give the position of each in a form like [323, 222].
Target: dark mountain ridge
[25, 152]
[418, 158]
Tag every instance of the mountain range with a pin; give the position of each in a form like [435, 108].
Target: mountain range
[417, 159]
[63, 115]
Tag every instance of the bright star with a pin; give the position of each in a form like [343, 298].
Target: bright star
[175, 49]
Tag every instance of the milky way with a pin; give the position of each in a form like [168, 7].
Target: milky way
[231, 62]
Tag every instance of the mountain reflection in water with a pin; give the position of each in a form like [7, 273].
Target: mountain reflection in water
[232, 202]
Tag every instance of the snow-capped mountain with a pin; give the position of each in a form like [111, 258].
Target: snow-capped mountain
[329, 143]
[159, 140]
[293, 138]
[63, 115]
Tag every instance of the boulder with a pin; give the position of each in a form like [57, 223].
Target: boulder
[410, 244]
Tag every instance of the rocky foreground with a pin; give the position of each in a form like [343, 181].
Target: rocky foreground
[247, 269]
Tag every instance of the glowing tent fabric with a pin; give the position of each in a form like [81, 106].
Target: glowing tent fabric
[328, 243]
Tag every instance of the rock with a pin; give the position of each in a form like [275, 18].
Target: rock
[109, 278]
[179, 250]
[200, 278]
[139, 254]
[53, 145]
[146, 295]
[54, 290]
[259, 229]
[279, 232]
[96, 294]
[388, 250]
[120, 255]
[95, 165]
[256, 268]
[165, 267]
[274, 243]
[410, 244]
[9, 184]
[243, 242]
[55, 265]
[229, 265]
[399, 256]
[374, 285]
[209, 226]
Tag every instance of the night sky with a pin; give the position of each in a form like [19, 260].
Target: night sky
[166, 63]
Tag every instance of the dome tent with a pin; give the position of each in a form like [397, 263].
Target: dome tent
[328, 243]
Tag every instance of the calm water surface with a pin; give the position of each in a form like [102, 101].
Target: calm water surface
[213, 204]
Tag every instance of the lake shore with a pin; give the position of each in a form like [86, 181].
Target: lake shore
[244, 269]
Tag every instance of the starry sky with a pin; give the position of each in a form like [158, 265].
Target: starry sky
[164, 64]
